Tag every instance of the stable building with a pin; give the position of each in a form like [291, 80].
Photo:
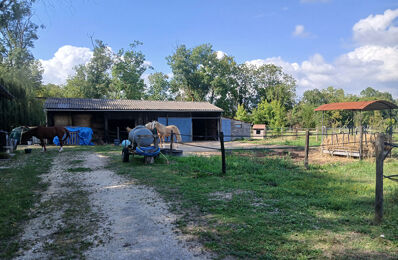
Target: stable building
[109, 117]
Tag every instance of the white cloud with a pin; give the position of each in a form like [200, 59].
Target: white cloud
[374, 62]
[299, 31]
[60, 67]
[220, 54]
[377, 29]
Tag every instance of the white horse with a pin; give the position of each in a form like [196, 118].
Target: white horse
[164, 131]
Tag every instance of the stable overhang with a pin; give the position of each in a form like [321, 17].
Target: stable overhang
[90, 104]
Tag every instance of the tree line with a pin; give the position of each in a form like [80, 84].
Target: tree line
[256, 94]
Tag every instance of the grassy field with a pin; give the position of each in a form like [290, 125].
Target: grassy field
[20, 188]
[273, 208]
[264, 207]
[287, 140]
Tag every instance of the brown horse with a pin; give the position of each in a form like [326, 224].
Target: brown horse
[42, 132]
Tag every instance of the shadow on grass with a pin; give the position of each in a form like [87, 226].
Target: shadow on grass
[271, 207]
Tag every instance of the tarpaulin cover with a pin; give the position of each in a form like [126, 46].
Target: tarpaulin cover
[85, 135]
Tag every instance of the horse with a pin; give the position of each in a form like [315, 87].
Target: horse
[42, 132]
[164, 131]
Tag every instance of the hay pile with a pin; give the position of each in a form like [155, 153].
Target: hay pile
[349, 143]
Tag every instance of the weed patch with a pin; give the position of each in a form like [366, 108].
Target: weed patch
[20, 187]
[79, 169]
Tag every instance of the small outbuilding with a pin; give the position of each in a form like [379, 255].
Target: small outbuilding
[354, 144]
[258, 131]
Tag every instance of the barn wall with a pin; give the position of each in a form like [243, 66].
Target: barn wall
[240, 128]
[183, 124]
[226, 128]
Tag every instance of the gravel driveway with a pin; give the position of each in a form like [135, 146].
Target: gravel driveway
[113, 216]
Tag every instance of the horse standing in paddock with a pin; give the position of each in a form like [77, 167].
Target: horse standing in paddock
[164, 131]
[42, 133]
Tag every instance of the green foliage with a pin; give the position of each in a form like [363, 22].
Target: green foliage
[158, 88]
[273, 114]
[21, 185]
[241, 114]
[110, 75]
[307, 116]
[20, 74]
[127, 73]
[267, 208]
[24, 109]
[50, 90]
[186, 65]
[17, 32]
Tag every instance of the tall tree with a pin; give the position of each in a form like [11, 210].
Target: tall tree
[186, 65]
[242, 114]
[159, 87]
[17, 32]
[19, 72]
[98, 71]
[127, 71]
[274, 84]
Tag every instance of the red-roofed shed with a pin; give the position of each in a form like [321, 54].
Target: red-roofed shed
[358, 105]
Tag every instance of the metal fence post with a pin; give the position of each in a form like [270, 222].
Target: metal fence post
[222, 153]
[307, 147]
[171, 141]
[379, 177]
[361, 142]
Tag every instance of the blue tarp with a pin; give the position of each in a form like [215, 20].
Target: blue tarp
[85, 135]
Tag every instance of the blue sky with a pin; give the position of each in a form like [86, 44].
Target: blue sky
[252, 31]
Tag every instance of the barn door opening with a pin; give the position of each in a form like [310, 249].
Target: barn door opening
[113, 124]
[204, 129]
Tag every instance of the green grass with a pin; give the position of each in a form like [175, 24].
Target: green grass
[79, 169]
[20, 187]
[288, 140]
[272, 208]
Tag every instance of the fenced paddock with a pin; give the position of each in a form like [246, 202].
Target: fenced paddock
[267, 204]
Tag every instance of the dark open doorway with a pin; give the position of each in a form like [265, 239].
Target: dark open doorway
[113, 126]
[204, 129]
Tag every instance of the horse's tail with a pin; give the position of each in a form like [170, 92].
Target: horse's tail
[67, 135]
[177, 133]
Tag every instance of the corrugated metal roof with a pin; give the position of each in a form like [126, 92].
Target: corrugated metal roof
[359, 105]
[90, 104]
[259, 126]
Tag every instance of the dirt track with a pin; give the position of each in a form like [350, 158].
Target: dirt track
[91, 212]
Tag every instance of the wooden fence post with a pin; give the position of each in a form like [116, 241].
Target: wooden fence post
[379, 178]
[171, 141]
[307, 147]
[265, 133]
[223, 169]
